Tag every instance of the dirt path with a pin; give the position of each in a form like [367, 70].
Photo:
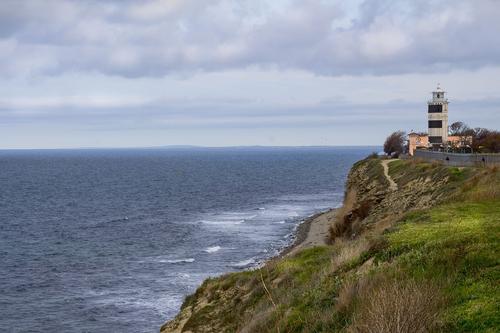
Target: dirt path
[315, 231]
[392, 184]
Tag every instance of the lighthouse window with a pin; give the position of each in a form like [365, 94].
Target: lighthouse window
[435, 123]
[435, 108]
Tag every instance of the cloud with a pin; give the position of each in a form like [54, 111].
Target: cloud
[156, 38]
[70, 102]
[113, 112]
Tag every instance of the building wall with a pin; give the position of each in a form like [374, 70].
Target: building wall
[415, 140]
[458, 159]
[439, 116]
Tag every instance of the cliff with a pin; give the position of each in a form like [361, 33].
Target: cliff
[414, 249]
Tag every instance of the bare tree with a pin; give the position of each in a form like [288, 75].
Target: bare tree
[394, 144]
[463, 132]
[480, 139]
[485, 140]
[458, 128]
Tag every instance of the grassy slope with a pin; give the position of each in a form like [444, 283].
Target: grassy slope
[452, 247]
[457, 245]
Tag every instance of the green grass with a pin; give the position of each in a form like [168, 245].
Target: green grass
[404, 172]
[299, 285]
[374, 171]
[456, 245]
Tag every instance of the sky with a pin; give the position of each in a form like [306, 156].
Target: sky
[123, 73]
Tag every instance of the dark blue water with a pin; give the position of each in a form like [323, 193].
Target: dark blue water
[112, 240]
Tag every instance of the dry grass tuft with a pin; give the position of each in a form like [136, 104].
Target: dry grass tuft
[436, 163]
[416, 160]
[347, 294]
[483, 186]
[348, 250]
[489, 192]
[339, 226]
[389, 305]
[348, 218]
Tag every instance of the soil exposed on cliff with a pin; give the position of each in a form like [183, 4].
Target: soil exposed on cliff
[409, 255]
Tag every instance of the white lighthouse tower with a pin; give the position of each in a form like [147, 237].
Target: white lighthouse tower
[438, 118]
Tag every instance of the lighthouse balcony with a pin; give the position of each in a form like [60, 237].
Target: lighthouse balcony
[438, 100]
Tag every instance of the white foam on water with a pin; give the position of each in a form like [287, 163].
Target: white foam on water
[244, 263]
[176, 261]
[328, 196]
[168, 304]
[280, 222]
[212, 249]
[222, 222]
[183, 275]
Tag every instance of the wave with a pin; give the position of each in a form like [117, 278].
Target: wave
[125, 218]
[244, 263]
[222, 222]
[106, 223]
[236, 213]
[212, 249]
[176, 261]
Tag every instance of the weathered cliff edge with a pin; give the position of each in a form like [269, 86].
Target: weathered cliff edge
[413, 249]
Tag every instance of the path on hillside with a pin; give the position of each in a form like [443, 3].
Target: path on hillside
[392, 184]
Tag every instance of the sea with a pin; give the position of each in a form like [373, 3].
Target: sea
[112, 240]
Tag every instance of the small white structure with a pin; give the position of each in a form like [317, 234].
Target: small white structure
[438, 118]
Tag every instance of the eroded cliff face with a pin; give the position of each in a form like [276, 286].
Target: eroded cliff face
[374, 198]
[419, 186]
[304, 292]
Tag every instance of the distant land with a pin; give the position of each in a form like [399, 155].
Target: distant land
[193, 147]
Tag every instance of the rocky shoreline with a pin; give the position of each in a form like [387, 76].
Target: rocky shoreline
[382, 240]
[303, 232]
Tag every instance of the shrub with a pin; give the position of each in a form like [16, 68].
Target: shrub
[405, 306]
[349, 216]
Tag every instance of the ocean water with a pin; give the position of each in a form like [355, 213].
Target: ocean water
[113, 240]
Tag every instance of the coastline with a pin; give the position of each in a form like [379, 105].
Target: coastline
[313, 231]
[379, 266]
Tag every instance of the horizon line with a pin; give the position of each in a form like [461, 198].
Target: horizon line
[192, 147]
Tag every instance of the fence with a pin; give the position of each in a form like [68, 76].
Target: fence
[458, 159]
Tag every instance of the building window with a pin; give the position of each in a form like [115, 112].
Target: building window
[435, 124]
[435, 108]
[435, 139]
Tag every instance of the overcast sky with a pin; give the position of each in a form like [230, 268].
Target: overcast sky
[123, 73]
